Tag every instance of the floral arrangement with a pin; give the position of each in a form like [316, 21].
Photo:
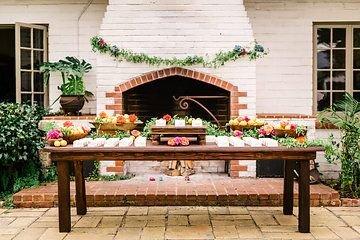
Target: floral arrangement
[98, 44]
[291, 129]
[178, 141]
[245, 122]
[266, 131]
[68, 132]
[103, 117]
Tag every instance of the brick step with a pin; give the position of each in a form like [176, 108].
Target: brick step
[203, 190]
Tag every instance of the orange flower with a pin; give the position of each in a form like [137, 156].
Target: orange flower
[103, 115]
[120, 119]
[132, 118]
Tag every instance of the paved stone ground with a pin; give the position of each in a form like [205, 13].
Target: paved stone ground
[203, 189]
[182, 222]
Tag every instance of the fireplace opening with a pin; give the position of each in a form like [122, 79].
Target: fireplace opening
[163, 96]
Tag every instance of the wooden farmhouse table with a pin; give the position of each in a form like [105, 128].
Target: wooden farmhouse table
[64, 156]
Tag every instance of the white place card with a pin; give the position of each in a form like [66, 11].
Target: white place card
[269, 142]
[126, 142]
[140, 142]
[253, 142]
[160, 122]
[210, 138]
[179, 123]
[222, 141]
[196, 123]
[236, 141]
[111, 142]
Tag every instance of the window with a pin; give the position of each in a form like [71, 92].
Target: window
[336, 62]
[31, 52]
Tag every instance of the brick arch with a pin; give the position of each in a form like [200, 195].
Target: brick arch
[235, 106]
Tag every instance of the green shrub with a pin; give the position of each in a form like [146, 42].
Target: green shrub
[20, 141]
[345, 115]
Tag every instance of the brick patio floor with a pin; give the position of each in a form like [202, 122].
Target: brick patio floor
[185, 222]
[203, 189]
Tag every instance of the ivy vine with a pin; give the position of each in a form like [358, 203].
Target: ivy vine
[98, 44]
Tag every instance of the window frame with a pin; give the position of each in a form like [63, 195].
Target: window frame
[349, 48]
[18, 69]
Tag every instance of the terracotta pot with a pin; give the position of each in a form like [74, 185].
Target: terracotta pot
[72, 103]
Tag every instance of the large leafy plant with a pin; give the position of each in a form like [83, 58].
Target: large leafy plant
[345, 115]
[20, 141]
[72, 72]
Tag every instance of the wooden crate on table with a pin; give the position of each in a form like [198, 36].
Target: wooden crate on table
[161, 134]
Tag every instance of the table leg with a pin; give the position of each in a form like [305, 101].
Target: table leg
[64, 196]
[304, 197]
[80, 196]
[288, 199]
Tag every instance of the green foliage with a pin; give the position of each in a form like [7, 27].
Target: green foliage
[345, 115]
[49, 174]
[72, 72]
[251, 133]
[215, 130]
[99, 45]
[20, 141]
[292, 142]
[147, 128]
[7, 200]
[49, 126]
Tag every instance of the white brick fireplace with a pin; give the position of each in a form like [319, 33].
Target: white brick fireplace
[176, 29]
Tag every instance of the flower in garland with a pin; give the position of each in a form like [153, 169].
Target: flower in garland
[102, 43]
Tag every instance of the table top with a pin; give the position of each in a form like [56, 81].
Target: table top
[192, 152]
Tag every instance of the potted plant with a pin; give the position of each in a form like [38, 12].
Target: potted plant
[73, 93]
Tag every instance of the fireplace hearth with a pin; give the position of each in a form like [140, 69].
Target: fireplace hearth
[178, 95]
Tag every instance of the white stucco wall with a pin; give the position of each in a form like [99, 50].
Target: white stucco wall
[65, 31]
[284, 77]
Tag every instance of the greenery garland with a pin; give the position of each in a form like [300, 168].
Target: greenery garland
[98, 44]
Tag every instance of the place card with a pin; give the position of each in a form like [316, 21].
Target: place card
[253, 142]
[111, 142]
[236, 141]
[140, 142]
[126, 142]
[210, 138]
[222, 141]
[196, 123]
[160, 122]
[269, 142]
[179, 123]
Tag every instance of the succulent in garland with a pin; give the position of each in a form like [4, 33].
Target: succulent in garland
[98, 44]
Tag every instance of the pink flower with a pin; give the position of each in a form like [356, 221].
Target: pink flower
[102, 42]
[54, 134]
[246, 118]
[293, 126]
[167, 118]
[68, 124]
[238, 133]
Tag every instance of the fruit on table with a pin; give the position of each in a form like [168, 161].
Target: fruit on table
[63, 143]
[103, 117]
[246, 122]
[57, 144]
